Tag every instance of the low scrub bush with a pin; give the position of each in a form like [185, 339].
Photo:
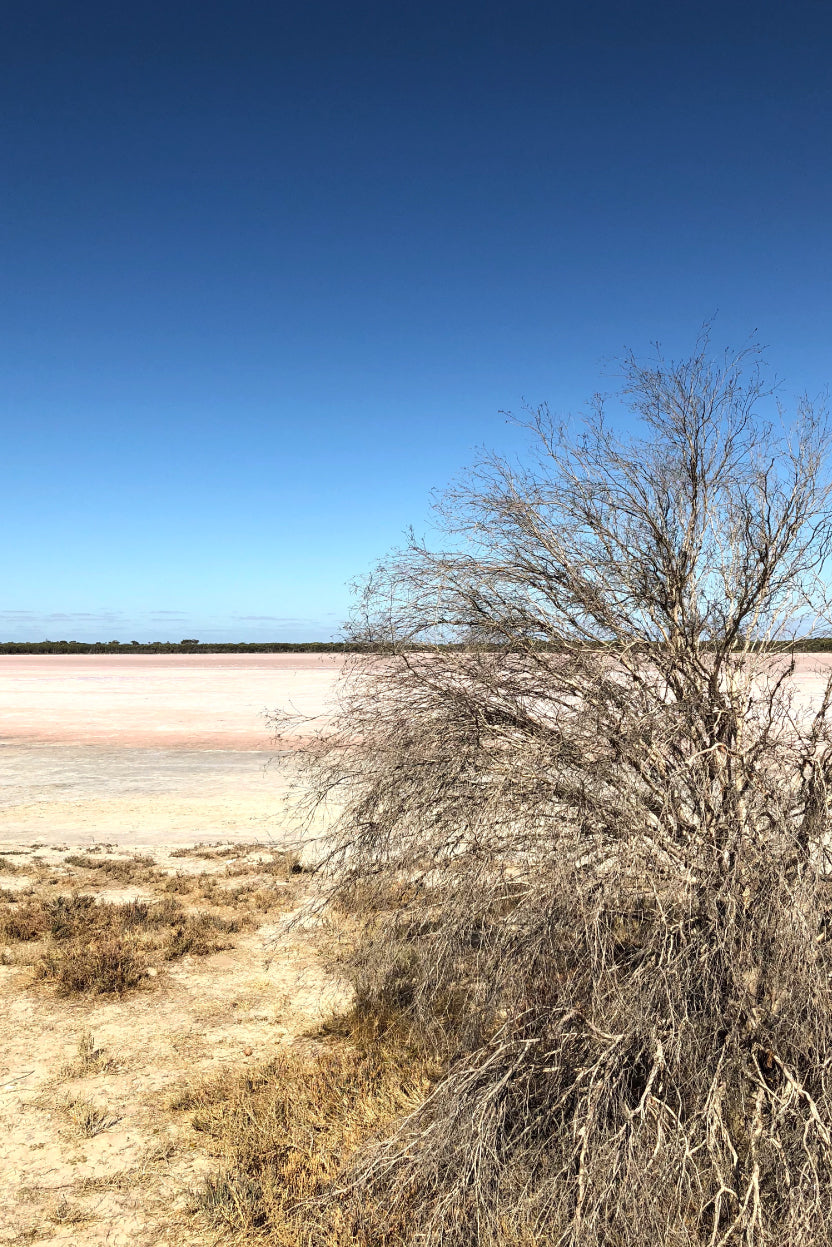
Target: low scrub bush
[104, 964]
[121, 870]
[105, 947]
[198, 935]
[23, 920]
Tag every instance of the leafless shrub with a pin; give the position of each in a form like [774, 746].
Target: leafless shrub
[582, 760]
[23, 920]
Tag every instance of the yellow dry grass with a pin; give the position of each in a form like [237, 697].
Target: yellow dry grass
[285, 1133]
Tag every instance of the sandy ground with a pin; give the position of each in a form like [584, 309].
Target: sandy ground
[150, 748]
[159, 701]
[146, 753]
[131, 1182]
[164, 749]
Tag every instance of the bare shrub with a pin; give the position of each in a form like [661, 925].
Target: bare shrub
[582, 758]
[23, 920]
[74, 914]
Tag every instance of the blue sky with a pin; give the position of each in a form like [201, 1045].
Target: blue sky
[270, 273]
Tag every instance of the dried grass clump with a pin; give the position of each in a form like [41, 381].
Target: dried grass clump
[98, 948]
[138, 868]
[244, 858]
[90, 1060]
[106, 963]
[23, 920]
[198, 935]
[89, 1119]
[258, 892]
[582, 765]
[285, 1132]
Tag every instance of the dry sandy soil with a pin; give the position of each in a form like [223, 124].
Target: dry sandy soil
[93, 1149]
[143, 754]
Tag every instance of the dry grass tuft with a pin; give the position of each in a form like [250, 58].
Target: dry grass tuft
[67, 1213]
[106, 963]
[287, 1131]
[138, 868]
[101, 947]
[89, 1119]
[198, 935]
[90, 1060]
[23, 920]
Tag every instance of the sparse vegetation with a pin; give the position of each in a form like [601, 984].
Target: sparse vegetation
[284, 1131]
[89, 1119]
[84, 945]
[198, 935]
[75, 958]
[102, 963]
[120, 869]
[90, 1060]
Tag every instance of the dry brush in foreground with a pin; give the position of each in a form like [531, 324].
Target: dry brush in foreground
[606, 816]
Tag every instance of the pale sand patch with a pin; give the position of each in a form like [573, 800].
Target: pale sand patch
[151, 748]
[54, 792]
[167, 748]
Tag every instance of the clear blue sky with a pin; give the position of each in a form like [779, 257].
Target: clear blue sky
[270, 271]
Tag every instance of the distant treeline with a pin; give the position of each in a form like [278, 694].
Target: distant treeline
[177, 647]
[810, 645]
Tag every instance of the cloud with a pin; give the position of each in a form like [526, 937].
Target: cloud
[84, 616]
[63, 617]
[278, 619]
